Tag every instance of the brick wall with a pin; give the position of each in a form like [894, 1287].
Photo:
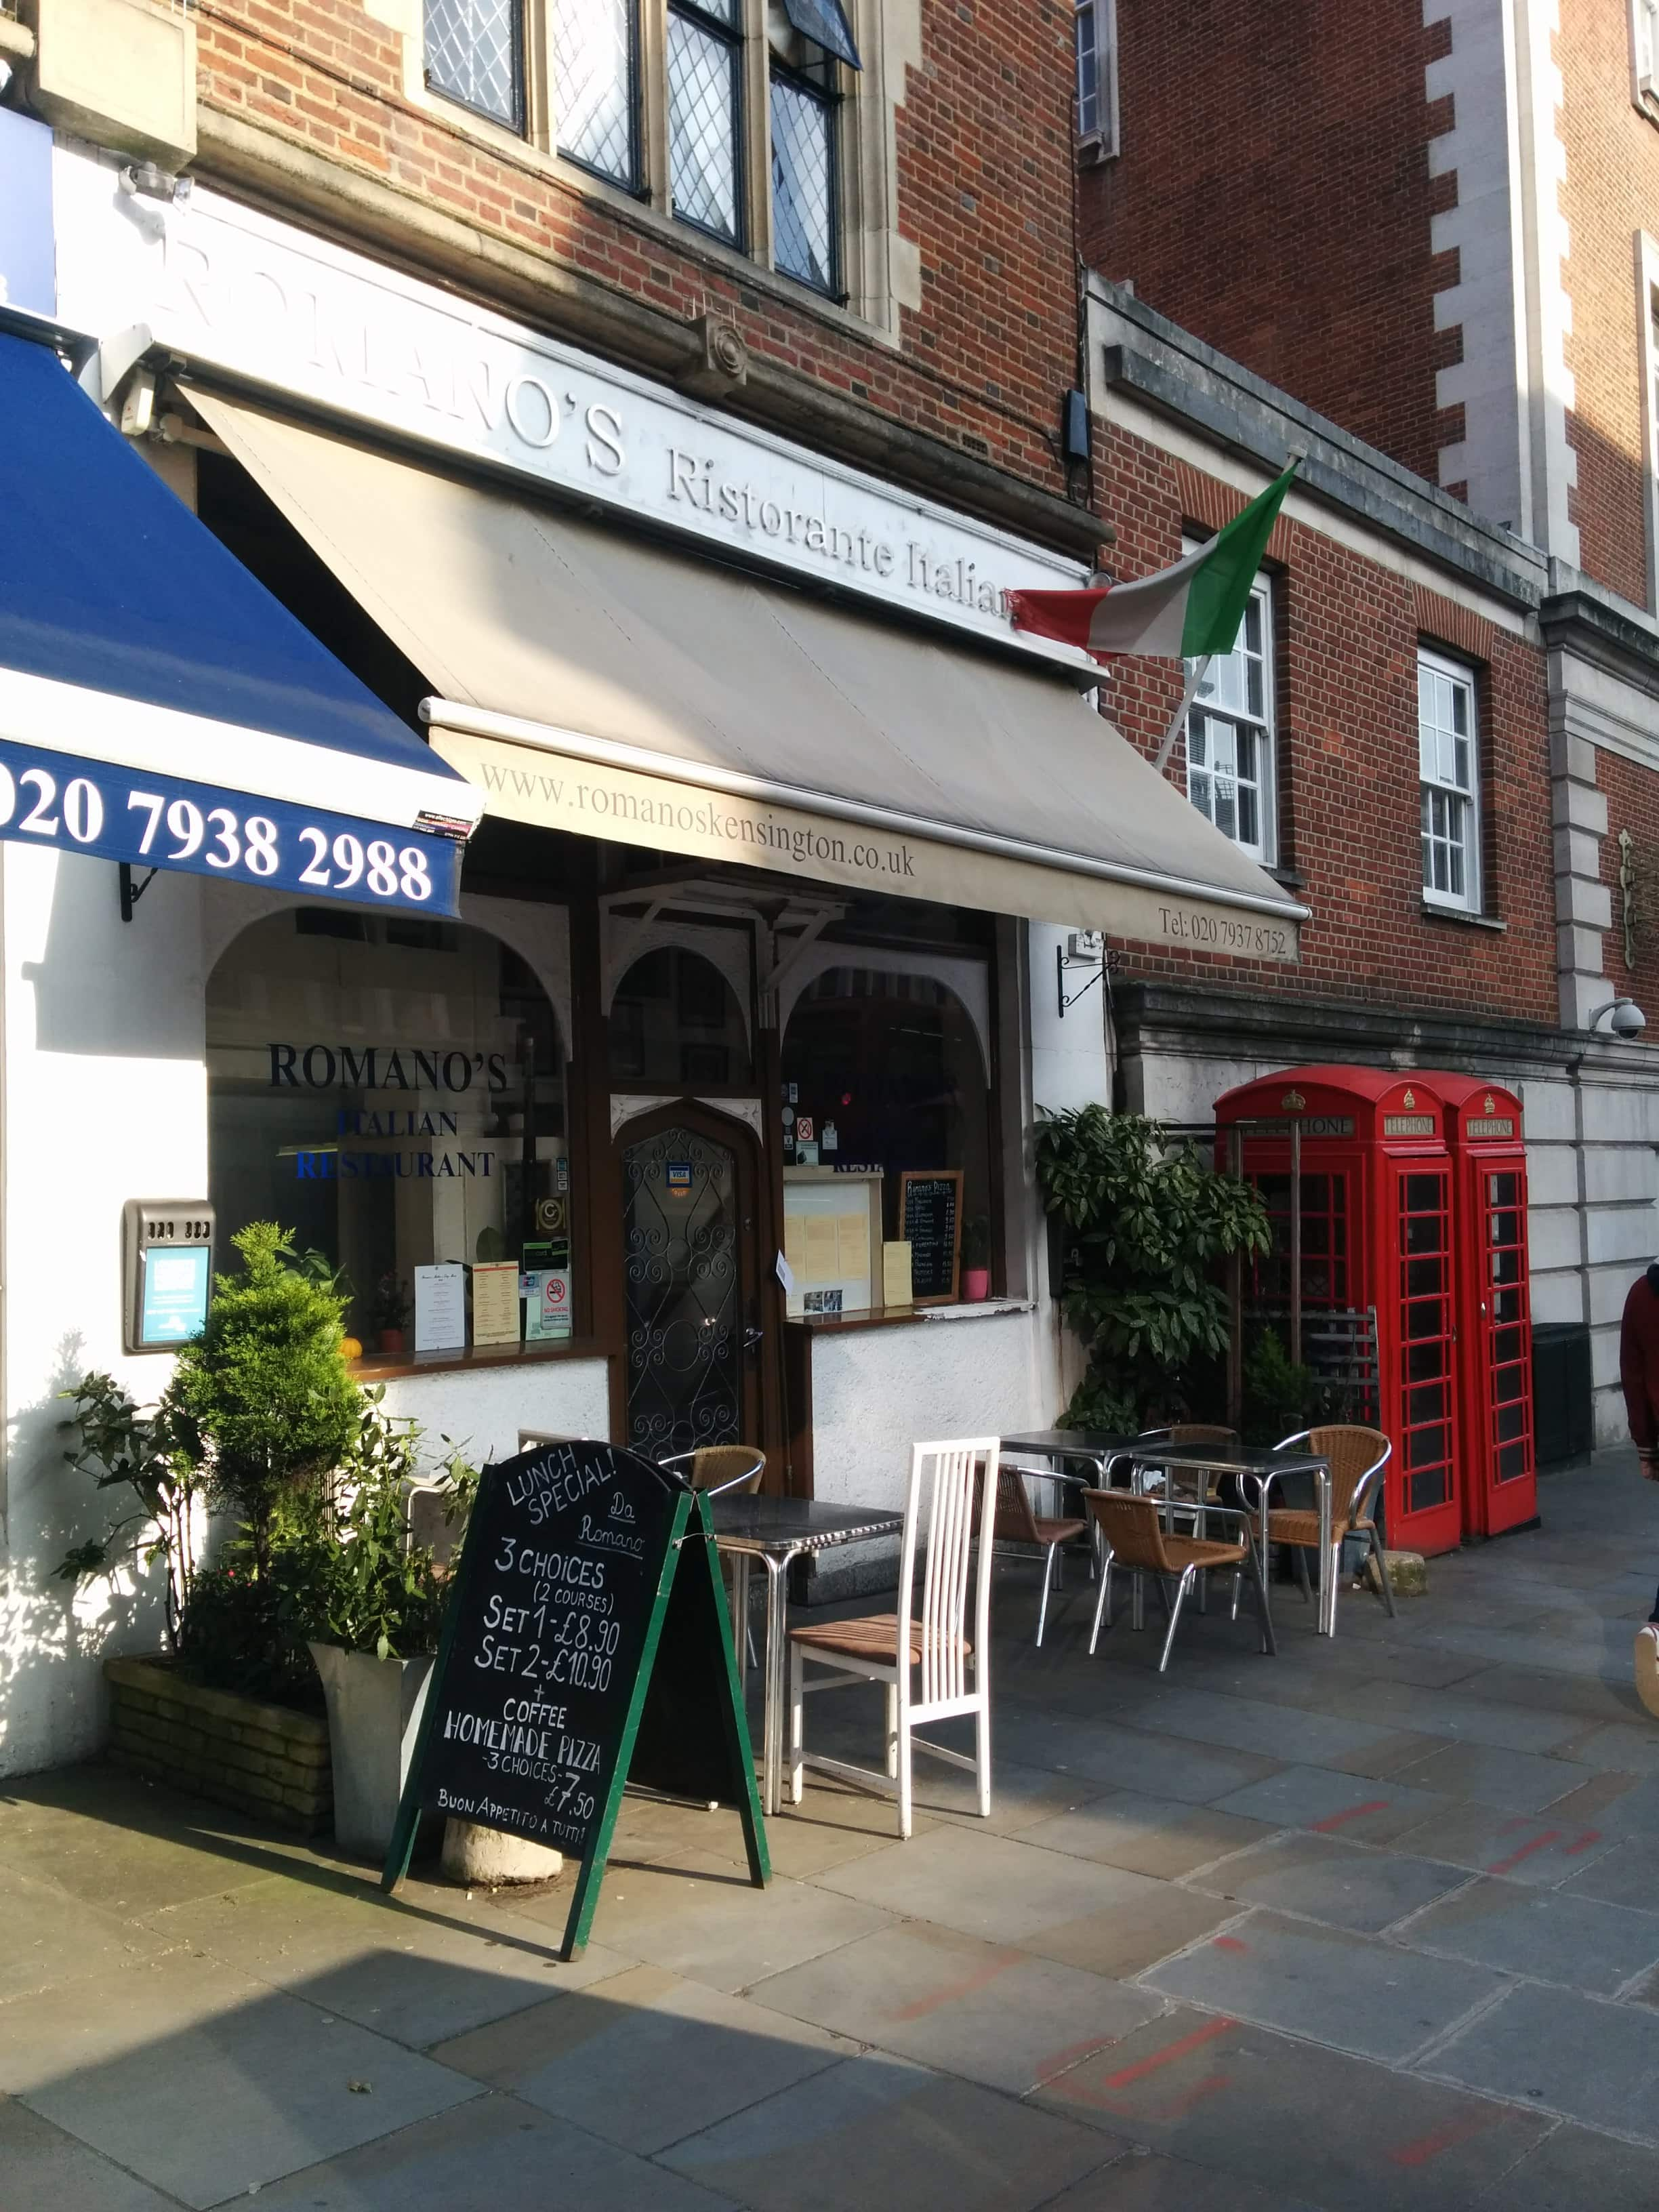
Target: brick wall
[1610, 193]
[1272, 195]
[985, 192]
[1346, 636]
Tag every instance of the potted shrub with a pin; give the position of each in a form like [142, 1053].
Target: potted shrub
[373, 1601]
[257, 1414]
[1147, 1221]
[977, 1258]
[390, 1316]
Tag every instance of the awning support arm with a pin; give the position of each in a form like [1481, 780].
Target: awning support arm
[130, 893]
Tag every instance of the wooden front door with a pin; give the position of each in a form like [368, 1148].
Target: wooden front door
[690, 1280]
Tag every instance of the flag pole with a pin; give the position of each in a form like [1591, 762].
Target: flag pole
[1196, 675]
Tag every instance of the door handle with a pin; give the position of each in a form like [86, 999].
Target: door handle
[751, 1337]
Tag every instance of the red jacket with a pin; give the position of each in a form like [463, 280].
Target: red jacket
[1639, 1360]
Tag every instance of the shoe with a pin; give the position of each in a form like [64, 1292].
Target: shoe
[1646, 1667]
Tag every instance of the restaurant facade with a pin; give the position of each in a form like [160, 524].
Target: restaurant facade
[701, 1110]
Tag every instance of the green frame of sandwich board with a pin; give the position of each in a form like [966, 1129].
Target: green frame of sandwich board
[692, 1530]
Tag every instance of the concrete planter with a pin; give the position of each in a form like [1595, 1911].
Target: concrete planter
[375, 1708]
[263, 1759]
[489, 1857]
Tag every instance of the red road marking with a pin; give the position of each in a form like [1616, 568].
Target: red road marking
[964, 1988]
[1354, 1813]
[1538, 1843]
[1169, 2053]
[1230, 1943]
[1442, 2139]
[1590, 1835]
[1060, 2062]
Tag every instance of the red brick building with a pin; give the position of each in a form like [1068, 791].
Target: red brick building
[1441, 234]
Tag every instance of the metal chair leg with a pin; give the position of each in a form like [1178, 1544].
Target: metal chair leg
[1382, 1559]
[1302, 1573]
[1103, 1605]
[1042, 1607]
[1182, 1589]
[1269, 1641]
[1138, 1602]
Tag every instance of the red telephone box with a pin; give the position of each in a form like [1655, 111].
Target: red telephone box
[1500, 1480]
[1376, 1229]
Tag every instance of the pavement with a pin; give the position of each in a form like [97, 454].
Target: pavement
[1372, 1924]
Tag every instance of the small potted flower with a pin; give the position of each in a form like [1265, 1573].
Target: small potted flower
[390, 1312]
[975, 1259]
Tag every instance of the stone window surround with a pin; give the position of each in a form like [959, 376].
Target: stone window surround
[881, 270]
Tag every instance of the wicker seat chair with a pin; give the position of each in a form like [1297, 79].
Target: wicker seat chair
[1359, 1458]
[1135, 1538]
[1019, 1522]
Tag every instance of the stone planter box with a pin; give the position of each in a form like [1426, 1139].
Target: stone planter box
[263, 1759]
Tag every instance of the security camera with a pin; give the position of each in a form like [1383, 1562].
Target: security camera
[1628, 1020]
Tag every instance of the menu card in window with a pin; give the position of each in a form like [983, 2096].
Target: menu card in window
[495, 1301]
[440, 1308]
[930, 1220]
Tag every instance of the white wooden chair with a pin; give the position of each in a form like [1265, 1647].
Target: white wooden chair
[960, 1504]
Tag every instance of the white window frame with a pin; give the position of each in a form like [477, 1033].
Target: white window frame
[1433, 780]
[1265, 849]
[1099, 141]
[1644, 57]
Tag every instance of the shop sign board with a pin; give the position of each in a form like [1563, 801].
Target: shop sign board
[273, 308]
[587, 1644]
[27, 278]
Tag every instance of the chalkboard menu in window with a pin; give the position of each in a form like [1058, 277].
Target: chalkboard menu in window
[930, 1219]
[587, 1643]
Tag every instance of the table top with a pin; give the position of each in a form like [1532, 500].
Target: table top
[1231, 1459]
[1072, 1443]
[743, 1522]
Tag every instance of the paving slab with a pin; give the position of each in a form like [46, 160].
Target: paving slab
[1126, 1758]
[1548, 1935]
[413, 1972]
[1146, 1835]
[990, 2014]
[42, 2169]
[1519, 1781]
[877, 2131]
[497, 2153]
[1365, 1809]
[1542, 1851]
[1629, 1746]
[183, 2040]
[1314, 2124]
[993, 1886]
[1141, 2181]
[1325, 1878]
[1625, 1873]
[1590, 2061]
[1573, 2170]
[1244, 1723]
[702, 1918]
[1348, 1991]
[644, 2058]
[47, 1937]
[1464, 1718]
[1124, 1943]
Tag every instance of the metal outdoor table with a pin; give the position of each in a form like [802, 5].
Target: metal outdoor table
[1097, 1448]
[777, 1531]
[1262, 1469]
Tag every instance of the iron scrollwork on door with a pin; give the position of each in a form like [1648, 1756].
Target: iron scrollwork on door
[680, 1270]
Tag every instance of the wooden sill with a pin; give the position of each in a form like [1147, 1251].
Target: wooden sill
[375, 1369]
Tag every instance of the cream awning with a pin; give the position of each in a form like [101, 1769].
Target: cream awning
[592, 682]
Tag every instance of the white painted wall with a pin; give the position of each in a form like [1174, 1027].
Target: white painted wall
[481, 1411]
[106, 1099]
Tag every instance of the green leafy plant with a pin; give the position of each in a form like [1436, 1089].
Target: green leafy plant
[1147, 1222]
[1280, 1395]
[976, 1240]
[122, 1448]
[390, 1307]
[260, 1403]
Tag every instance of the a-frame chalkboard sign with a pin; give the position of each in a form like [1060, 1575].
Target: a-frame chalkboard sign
[587, 1643]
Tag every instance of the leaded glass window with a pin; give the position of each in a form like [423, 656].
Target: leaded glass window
[705, 114]
[804, 184]
[595, 103]
[475, 54]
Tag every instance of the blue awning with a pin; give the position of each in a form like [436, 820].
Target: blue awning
[157, 705]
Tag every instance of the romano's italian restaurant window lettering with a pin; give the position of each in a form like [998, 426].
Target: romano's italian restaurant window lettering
[393, 1091]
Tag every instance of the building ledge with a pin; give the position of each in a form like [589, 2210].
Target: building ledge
[1460, 915]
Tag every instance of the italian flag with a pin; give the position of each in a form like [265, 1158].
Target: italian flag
[1188, 612]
